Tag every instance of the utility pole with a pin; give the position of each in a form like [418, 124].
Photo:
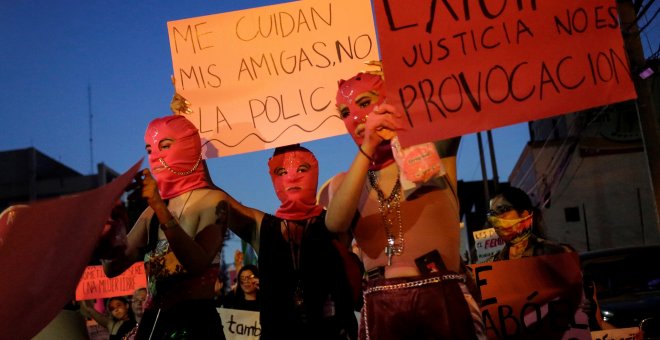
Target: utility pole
[484, 175]
[91, 132]
[646, 110]
[493, 161]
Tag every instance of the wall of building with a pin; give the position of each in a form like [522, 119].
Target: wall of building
[598, 202]
[603, 202]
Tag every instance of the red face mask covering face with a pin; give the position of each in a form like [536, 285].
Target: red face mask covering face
[295, 172]
[175, 157]
[358, 96]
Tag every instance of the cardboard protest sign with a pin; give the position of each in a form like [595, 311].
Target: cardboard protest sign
[95, 285]
[532, 298]
[45, 248]
[240, 324]
[457, 67]
[486, 243]
[267, 76]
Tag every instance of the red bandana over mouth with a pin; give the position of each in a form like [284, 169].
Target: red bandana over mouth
[179, 168]
[295, 172]
[347, 92]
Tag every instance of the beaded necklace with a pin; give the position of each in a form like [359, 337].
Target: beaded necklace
[387, 207]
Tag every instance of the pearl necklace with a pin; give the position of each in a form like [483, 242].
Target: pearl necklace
[387, 206]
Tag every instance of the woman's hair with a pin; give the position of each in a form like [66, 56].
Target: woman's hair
[240, 294]
[520, 201]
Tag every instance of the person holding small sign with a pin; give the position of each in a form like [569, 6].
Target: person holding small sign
[409, 238]
[515, 220]
[118, 323]
[178, 236]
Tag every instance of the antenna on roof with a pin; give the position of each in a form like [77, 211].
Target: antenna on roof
[91, 131]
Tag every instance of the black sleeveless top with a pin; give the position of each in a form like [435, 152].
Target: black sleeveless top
[327, 312]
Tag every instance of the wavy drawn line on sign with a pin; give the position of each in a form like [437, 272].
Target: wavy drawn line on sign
[274, 139]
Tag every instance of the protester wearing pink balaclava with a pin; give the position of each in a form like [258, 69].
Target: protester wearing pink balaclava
[295, 172]
[301, 263]
[356, 98]
[178, 236]
[175, 155]
[409, 244]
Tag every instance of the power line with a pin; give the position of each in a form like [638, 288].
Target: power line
[639, 15]
[553, 166]
[649, 21]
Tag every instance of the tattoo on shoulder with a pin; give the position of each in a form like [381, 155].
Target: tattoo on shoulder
[222, 213]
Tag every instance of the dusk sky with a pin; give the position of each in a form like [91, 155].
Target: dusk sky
[56, 53]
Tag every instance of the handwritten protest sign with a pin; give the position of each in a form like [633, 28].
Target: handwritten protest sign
[530, 297]
[95, 285]
[240, 324]
[456, 67]
[487, 244]
[267, 76]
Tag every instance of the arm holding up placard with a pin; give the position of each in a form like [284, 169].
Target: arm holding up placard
[409, 242]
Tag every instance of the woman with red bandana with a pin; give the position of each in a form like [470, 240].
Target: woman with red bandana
[511, 214]
[305, 293]
[178, 236]
[410, 246]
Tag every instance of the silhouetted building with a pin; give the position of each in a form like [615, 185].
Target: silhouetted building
[29, 175]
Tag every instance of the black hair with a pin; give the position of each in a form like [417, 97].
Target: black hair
[518, 199]
[123, 299]
[240, 294]
[118, 298]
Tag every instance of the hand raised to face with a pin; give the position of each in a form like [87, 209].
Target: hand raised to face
[381, 124]
[149, 187]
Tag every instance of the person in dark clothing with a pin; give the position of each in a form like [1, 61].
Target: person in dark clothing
[304, 289]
